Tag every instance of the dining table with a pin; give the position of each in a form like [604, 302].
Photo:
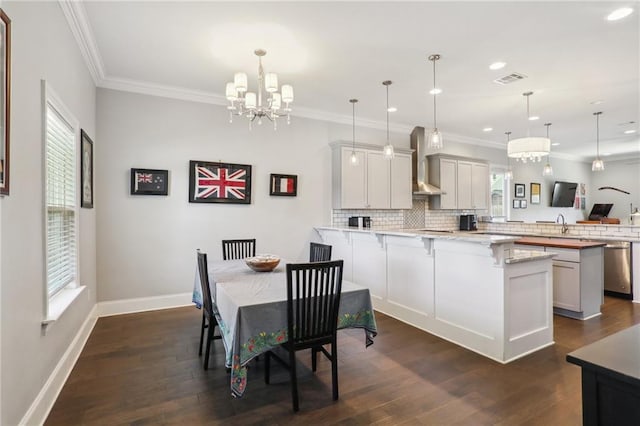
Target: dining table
[251, 310]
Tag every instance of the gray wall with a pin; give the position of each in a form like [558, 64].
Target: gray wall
[621, 174]
[42, 48]
[146, 244]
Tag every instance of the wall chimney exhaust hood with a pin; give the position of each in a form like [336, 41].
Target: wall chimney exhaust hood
[419, 165]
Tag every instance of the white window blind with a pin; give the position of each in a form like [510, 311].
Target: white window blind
[60, 202]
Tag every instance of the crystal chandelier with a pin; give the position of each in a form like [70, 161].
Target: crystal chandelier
[250, 104]
[529, 148]
[598, 164]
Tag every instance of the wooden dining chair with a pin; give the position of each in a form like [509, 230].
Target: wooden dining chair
[313, 301]
[238, 249]
[319, 252]
[209, 321]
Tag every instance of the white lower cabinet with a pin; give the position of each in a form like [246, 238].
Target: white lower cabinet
[566, 285]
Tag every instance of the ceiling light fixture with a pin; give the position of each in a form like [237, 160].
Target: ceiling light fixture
[434, 140]
[354, 157]
[528, 148]
[497, 65]
[487, 129]
[628, 132]
[617, 14]
[508, 175]
[598, 164]
[387, 150]
[249, 104]
[547, 170]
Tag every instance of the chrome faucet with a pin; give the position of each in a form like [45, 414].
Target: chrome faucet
[565, 228]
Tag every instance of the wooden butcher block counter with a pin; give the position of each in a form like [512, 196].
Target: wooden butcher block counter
[567, 243]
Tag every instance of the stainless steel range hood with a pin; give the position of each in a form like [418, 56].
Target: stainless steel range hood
[419, 165]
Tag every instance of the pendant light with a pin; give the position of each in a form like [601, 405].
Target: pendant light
[434, 140]
[387, 151]
[529, 148]
[508, 175]
[354, 157]
[547, 170]
[598, 164]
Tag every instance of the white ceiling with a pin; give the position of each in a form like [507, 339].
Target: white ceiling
[332, 52]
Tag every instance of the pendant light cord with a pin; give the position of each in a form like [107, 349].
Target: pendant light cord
[435, 125]
[353, 105]
[598, 135]
[387, 114]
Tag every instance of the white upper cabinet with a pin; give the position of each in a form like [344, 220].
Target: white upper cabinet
[374, 183]
[464, 183]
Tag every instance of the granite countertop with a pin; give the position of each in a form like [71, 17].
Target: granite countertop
[519, 256]
[465, 236]
[568, 237]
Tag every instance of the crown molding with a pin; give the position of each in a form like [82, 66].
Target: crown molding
[76, 17]
[163, 91]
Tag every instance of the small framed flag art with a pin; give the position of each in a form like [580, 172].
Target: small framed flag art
[284, 185]
[149, 182]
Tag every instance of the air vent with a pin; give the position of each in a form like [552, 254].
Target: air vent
[510, 78]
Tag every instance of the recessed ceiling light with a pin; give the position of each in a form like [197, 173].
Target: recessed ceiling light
[487, 129]
[497, 65]
[617, 14]
[596, 102]
[606, 154]
[534, 118]
[555, 143]
[392, 109]
[435, 91]
[628, 132]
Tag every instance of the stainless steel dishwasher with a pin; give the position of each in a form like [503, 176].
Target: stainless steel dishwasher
[617, 269]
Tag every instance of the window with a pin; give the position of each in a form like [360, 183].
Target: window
[60, 196]
[499, 193]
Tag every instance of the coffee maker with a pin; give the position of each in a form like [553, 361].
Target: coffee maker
[468, 222]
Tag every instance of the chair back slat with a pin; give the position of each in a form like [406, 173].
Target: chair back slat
[313, 300]
[238, 249]
[203, 270]
[319, 252]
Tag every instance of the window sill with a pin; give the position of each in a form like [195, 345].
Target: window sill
[59, 303]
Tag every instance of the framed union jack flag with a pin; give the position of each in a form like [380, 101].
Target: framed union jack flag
[149, 182]
[219, 182]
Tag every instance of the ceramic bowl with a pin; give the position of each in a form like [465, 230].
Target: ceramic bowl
[263, 262]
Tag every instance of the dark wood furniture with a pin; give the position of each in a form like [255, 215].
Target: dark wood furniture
[209, 321]
[319, 252]
[238, 249]
[610, 379]
[313, 300]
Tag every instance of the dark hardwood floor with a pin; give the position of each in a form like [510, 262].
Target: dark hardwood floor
[144, 369]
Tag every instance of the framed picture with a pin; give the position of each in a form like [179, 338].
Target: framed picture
[535, 193]
[523, 204]
[284, 185]
[86, 170]
[516, 204]
[149, 182]
[519, 190]
[5, 97]
[219, 182]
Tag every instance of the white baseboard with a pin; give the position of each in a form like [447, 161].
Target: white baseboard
[41, 406]
[142, 304]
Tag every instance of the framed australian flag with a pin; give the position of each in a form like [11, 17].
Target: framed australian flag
[219, 182]
[285, 185]
[149, 182]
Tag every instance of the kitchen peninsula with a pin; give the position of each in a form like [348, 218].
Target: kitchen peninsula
[475, 290]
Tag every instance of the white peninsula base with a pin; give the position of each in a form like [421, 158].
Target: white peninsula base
[473, 290]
